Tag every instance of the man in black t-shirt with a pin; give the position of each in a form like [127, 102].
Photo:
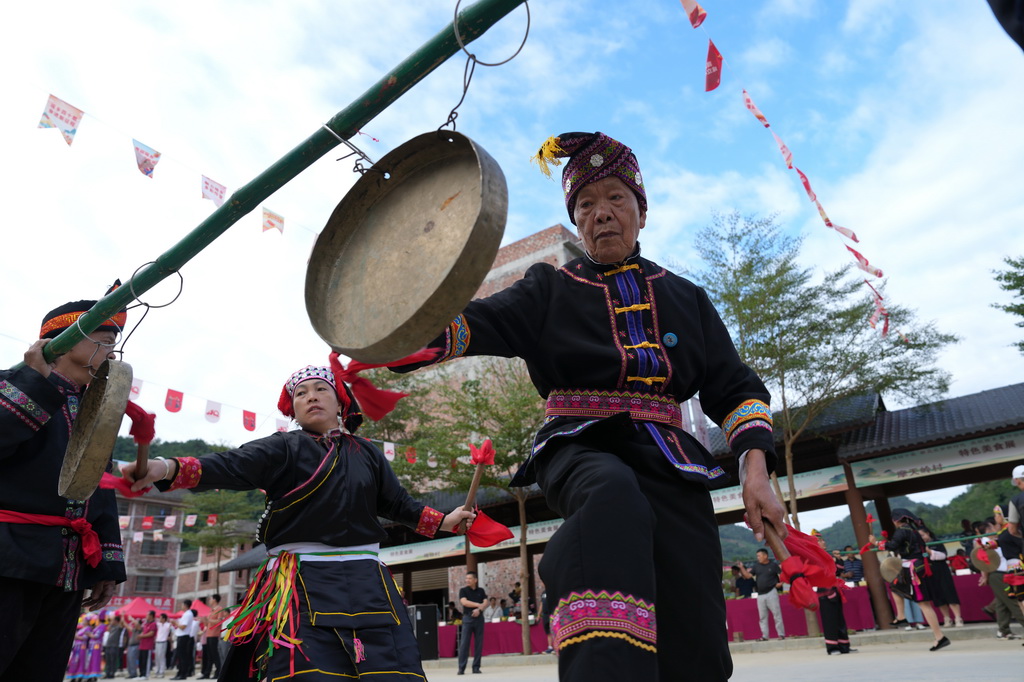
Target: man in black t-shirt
[766, 576]
[473, 600]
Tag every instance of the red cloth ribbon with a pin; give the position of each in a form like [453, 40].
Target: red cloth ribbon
[90, 540]
[870, 519]
[1014, 578]
[809, 566]
[486, 532]
[375, 402]
[483, 455]
[799, 575]
[143, 423]
[111, 482]
[983, 555]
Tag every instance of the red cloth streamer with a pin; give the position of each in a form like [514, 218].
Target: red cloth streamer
[713, 76]
[809, 566]
[90, 540]
[111, 482]
[983, 554]
[143, 423]
[797, 574]
[483, 455]
[375, 402]
[486, 532]
[870, 519]
[1014, 578]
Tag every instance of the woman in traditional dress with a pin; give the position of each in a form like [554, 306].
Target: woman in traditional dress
[945, 599]
[79, 650]
[93, 667]
[908, 544]
[323, 606]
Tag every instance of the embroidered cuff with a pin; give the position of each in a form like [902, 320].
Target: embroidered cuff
[750, 414]
[456, 339]
[430, 521]
[22, 406]
[190, 470]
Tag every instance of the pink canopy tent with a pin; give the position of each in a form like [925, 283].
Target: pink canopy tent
[136, 608]
[201, 608]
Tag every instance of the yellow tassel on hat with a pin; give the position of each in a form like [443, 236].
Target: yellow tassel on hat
[548, 154]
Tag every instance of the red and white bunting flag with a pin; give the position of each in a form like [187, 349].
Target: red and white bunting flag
[821, 212]
[694, 12]
[410, 455]
[786, 154]
[874, 291]
[249, 420]
[190, 520]
[282, 425]
[903, 336]
[807, 185]
[147, 523]
[432, 461]
[880, 311]
[846, 232]
[62, 116]
[754, 110]
[170, 521]
[137, 536]
[146, 158]
[214, 191]
[272, 221]
[213, 410]
[123, 521]
[863, 263]
[158, 535]
[136, 388]
[173, 400]
[389, 452]
[713, 68]
[211, 520]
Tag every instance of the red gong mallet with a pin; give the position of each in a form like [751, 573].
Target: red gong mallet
[485, 531]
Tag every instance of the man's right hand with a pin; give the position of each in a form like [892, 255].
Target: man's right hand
[34, 357]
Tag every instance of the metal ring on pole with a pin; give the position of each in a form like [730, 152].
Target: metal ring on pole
[131, 288]
[458, 38]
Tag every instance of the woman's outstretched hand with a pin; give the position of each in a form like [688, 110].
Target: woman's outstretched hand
[455, 517]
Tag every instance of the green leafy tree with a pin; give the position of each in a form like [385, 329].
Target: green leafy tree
[1013, 281]
[499, 402]
[808, 336]
[237, 513]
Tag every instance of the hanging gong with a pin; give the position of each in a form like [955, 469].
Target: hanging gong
[890, 568]
[985, 559]
[95, 431]
[407, 248]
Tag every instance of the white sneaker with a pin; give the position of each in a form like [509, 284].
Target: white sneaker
[921, 626]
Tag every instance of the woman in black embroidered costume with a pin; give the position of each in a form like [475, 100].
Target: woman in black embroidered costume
[907, 542]
[323, 606]
[614, 343]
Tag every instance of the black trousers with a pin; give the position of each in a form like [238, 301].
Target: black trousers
[211, 656]
[833, 622]
[471, 627]
[39, 629]
[112, 661]
[186, 651]
[638, 558]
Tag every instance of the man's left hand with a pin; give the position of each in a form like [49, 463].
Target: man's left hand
[99, 595]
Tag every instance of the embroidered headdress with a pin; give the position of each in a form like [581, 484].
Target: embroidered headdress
[592, 157]
[351, 415]
[62, 317]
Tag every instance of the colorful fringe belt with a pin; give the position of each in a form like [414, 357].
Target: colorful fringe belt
[270, 609]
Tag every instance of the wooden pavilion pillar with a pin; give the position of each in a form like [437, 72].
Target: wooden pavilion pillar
[885, 515]
[872, 574]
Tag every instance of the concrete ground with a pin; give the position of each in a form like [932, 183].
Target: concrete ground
[975, 654]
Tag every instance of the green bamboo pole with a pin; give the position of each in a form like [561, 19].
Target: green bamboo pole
[473, 22]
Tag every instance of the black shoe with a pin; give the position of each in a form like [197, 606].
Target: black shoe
[944, 642]
[476, 672]
[901, 621]
[461, 672]
[849, 651]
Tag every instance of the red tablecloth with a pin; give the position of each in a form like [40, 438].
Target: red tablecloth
[499, 638]
[741, 614]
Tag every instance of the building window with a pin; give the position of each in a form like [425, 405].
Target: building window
[149, 583]
[156, 510]
[205, 577]
[153, 548]
[122, 506]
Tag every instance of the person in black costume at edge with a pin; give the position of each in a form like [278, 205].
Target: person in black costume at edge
[830, 606]
[614, 343]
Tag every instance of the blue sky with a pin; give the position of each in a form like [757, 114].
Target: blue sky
[905, 117]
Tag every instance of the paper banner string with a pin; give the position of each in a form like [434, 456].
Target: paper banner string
[62, 116]
[213, 410]
[713, 68]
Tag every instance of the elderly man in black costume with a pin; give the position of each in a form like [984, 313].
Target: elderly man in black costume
[614, 343]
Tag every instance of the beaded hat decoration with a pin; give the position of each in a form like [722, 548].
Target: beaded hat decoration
[62, 317]
[592, 157]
